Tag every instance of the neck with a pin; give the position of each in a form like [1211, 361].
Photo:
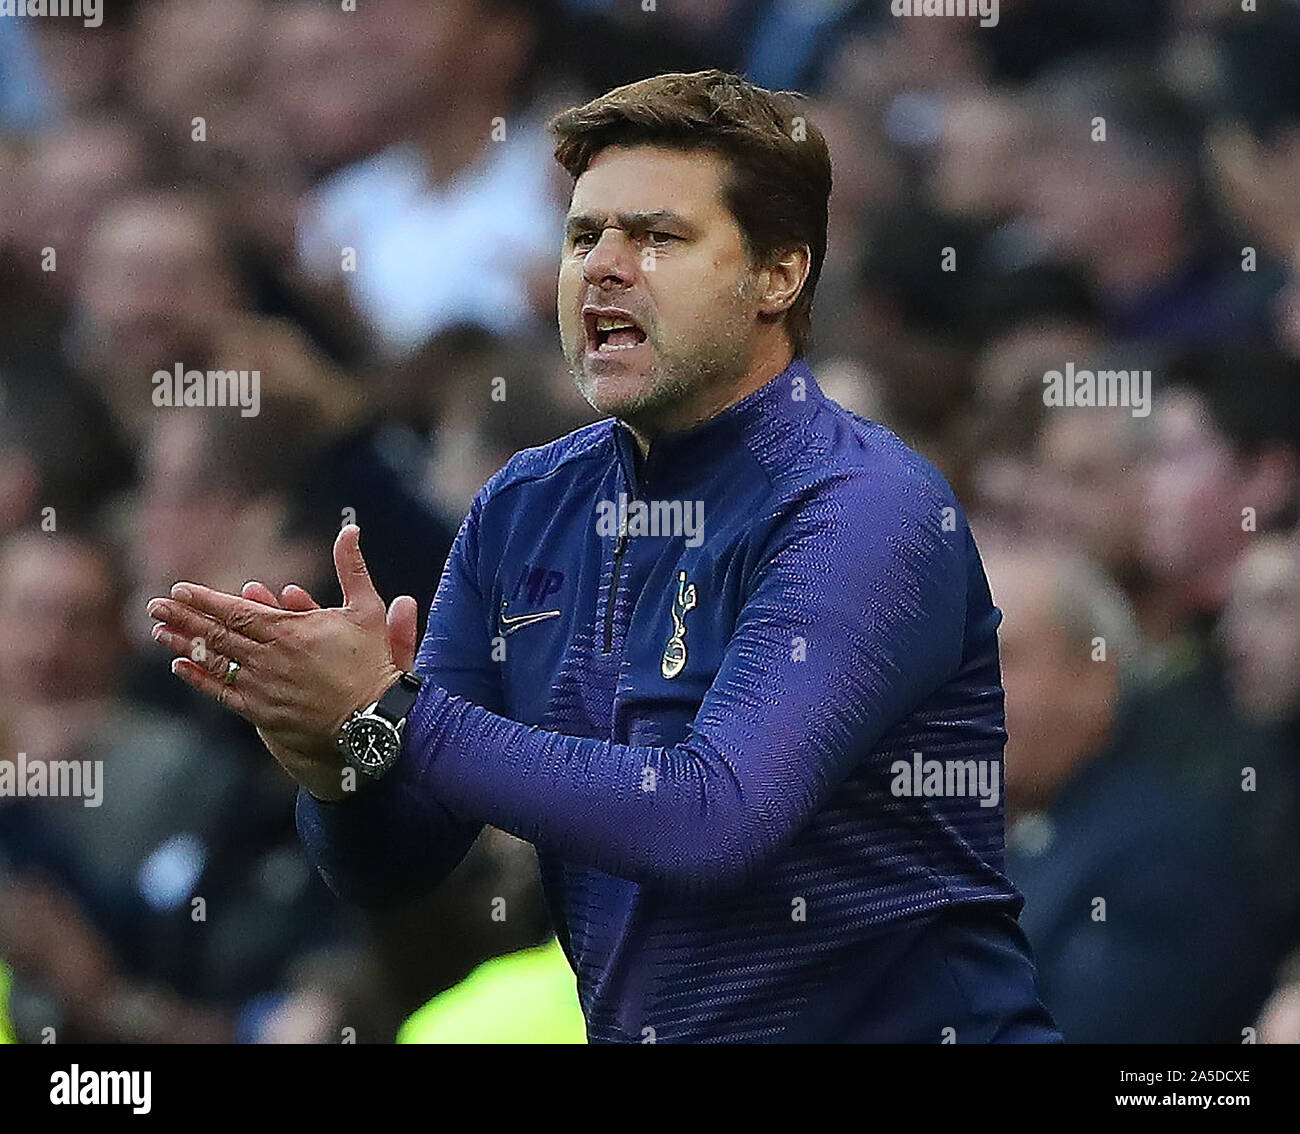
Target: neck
[765, 365]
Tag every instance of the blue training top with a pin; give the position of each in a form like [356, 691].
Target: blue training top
[713, 687]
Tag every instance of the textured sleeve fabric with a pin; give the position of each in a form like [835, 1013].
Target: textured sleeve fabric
[395, 839]
[854, 614]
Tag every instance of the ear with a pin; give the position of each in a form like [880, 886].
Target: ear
[783, 280]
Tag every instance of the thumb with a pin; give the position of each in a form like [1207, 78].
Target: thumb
[402, 621]
[359, 592]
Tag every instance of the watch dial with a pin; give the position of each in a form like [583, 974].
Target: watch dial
[372, 745]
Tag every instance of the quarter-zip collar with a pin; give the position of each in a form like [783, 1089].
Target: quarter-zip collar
[681, 456]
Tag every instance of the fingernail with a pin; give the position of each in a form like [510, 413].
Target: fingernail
[157, 631]
[155, 605]
[182, 593]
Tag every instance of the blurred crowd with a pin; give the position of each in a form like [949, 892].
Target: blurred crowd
[362, 207]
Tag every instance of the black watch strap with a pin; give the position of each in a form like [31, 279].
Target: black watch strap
[397, 702]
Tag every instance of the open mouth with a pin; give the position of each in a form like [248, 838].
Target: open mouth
[609, 334]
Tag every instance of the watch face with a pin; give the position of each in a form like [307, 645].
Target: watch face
[371, 744]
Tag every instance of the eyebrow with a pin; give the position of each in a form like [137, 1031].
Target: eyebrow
[632, 222]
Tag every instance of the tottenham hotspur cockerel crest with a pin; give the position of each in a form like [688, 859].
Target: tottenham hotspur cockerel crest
[674, 659]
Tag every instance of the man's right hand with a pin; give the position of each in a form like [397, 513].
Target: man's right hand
[402, 632]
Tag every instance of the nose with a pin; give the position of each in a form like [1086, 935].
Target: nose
[611, 262]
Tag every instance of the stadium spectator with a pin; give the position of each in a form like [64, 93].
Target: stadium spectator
[1146, 921]
[1253, 149]
[1261, 629]
[1129, 206]
[62, 177]
[1223, 464]
[416, 218]
[1083, 498]
[99, 888]
[327, 90]
[159, 279]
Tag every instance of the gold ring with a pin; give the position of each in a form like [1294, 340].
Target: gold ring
[232, 672]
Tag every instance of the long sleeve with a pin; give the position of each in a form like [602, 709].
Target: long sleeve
[855, 614]
[395, 839]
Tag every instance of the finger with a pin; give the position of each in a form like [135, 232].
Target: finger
[191, 624]
[354, 577]
[195, 650]
[250, 619]
[259, 592]
[294, 597]
[402, 623]
[195, 675]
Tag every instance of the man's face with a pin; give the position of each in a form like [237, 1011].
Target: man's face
[70, 175]
[62, 635]
[1261, 631]
[650, 241]
[1059, 703]
[154, 285]
[1082, 488]
[1036, 677]
[1192, 521]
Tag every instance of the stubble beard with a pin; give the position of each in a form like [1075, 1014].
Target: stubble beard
[679, 383]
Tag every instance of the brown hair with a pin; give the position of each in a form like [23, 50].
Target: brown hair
[780, 168]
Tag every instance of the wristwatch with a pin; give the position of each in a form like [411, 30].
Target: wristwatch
[371, 738]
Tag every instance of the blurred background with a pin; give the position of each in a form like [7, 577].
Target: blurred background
[363, 207]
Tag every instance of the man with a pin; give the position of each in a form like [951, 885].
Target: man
[1149, 917]
[1224, 465]
[1222, 470]
[448, 190]
[158, 281]
[1081, 491]
[1261, 634]
[1131, 211]
[706, 732]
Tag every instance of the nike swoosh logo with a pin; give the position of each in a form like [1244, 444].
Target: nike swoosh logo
[509, 624]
